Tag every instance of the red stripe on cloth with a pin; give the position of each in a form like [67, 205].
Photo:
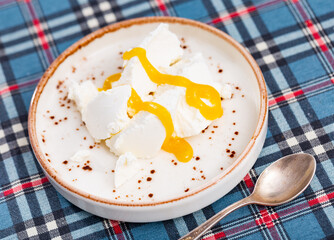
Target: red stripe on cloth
[116, 227]
[18, 86]
[9, 89]
[161, 5]
[216, 236]
[248, 181]
[234, 14]
[22, 186]
[267, 218]
[316, 35]
[321, 199]
[332, 80]
[41, 34]
[285, 97]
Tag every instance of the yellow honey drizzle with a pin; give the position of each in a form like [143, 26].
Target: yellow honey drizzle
[194, 92]
[178, 146]
[109, 80]
[194, 95]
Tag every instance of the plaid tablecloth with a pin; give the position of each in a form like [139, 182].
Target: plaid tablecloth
[292, 41]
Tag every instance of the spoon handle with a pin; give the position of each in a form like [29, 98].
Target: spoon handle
[201, 229]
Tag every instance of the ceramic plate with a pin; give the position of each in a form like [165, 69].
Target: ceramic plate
[224, 153]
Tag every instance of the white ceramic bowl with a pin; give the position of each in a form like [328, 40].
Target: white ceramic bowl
[209, 192]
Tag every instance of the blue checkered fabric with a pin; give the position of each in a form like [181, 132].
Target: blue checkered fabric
[292, 41]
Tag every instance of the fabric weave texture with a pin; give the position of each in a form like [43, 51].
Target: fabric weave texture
[292, 42]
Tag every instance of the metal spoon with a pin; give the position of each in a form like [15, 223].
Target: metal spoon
[279, 183]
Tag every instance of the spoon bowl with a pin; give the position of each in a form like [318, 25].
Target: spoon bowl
[284, 180]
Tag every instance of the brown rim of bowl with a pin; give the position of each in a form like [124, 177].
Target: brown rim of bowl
[125, 24]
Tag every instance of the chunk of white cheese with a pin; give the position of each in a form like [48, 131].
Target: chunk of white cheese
[143, 136]
[82, 93]
[127, 166]
[80, 156]
[106, 114]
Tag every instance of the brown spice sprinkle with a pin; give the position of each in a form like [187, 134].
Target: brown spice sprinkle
[52, 117]
[150, 195]
[197, 158]
[49, 160]
[56, 123]
[65, 118]
[220, 70]
[230, 144]
[242, 95]
[112, 171]
[43, 140]
[203, 131]
[114, 190]
[184, 47]
[152, 171]
[213, 131]
[46, 154]
[221, 168]
[194, 168]
[232, 139]
[47, 111]
[201, 171]
[234, 123]
[175, 163]
[120, 68]
[120, 53]
[233, 111]
[221, 98]
[186, 190]
[59, 84]
[236, 132]
[87, 168]
[149, 179]
[73, 69]
[228, 150]
[151, 93]
[84, 138]
[77, 129]
[68, 107]
[193, 179]
[91, 147]
[215, 126]
[210, 137]
[139, 181]
[237, 88]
